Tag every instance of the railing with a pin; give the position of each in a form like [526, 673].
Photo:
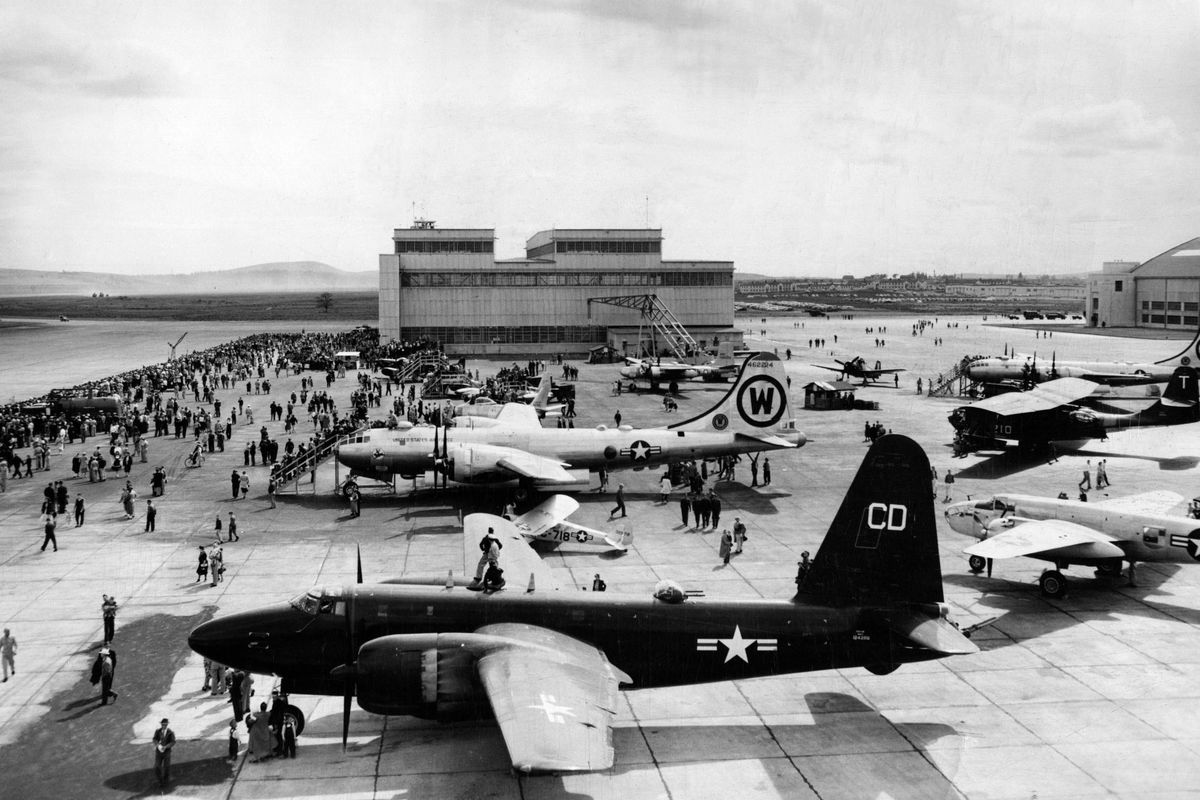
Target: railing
[291, 470]
[956, 383]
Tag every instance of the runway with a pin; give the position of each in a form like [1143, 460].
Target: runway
[1089, 696]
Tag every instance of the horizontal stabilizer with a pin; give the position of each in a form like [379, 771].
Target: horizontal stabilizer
[774, 441]
[932, 633]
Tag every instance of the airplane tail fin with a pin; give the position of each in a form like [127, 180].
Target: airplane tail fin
[757, 405]
[882, 548]
[1187, 356]
[541, 400]
[1181, 399]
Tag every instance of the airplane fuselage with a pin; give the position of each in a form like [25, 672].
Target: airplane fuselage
[657, 643]
[1001, 369]
[1144, 537]
[382, 453]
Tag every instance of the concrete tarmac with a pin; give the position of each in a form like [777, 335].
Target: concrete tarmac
[1088, 696]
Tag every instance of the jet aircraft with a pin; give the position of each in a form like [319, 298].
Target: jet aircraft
[1026, 369]
[1057, 411]
[754, 415]
[672, 372]
[857, 368]
[548, 662]
[1065, 532]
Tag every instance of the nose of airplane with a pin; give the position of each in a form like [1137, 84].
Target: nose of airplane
[960, 517]
[243, 640]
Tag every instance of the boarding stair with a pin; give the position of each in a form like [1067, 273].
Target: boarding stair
[291, 470]
[418, 365]
[954, 383]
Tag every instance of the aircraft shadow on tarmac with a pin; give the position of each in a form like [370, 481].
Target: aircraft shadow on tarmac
[1010, 462]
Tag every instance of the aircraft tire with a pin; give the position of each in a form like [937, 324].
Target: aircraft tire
[885, 668]
[297, 717]
[1053, 584]
[1109, 570]
[673, 387]
[976, 564]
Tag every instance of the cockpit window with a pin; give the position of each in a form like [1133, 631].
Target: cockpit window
[319, 600]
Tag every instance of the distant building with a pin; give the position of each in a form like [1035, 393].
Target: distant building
[1163, 292]
[1068, 294]
[445, 284]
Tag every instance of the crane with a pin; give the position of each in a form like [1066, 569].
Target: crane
[173, 346]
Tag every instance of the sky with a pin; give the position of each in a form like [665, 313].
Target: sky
[798, 138]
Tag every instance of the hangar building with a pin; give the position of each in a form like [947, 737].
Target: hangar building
[1163, 292]
[445, 284]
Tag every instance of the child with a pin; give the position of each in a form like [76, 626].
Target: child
[289, 737]
[234, 743]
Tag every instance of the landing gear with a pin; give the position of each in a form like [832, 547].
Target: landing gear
[1109, 570]
[976, 563]
[1053, 584]
[297, 717]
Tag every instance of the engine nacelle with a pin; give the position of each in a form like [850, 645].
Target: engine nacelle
[425, 675]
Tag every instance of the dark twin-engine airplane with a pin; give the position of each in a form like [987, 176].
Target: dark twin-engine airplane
[548, 662]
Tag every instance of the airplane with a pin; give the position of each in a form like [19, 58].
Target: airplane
[488, 408]
[547, 661]
[1018, 368]
[857, 368]
[672, 372]
[754, 415]
[1054, 411]
[548, 523]
[1064, 532]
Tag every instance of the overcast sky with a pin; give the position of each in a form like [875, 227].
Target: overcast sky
[794, 138]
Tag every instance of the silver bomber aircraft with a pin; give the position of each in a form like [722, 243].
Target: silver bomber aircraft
[1064, 532]
[755, 415]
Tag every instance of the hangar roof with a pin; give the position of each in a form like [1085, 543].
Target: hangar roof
[1181, 261]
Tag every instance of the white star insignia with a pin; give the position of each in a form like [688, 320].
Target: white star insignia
[737, 645]
[554, 712]
[640, 449]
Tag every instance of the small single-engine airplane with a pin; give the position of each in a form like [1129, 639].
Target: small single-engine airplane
[659, 372]
[1058, 411]
[1026, 369]
[547, 522]
[490, 409]
[754, 415]
[1065, 532]
[547, 661]
[857, 368]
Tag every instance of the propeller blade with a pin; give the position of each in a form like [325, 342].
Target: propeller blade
[358, 553]
[347, 670]
[346, 698]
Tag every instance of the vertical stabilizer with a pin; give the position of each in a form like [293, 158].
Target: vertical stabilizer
[882, 547]
[757, 405]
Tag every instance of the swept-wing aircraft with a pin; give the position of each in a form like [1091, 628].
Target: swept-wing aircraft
[1058, 411]
[1025, 368]
[857, 368]
[547, 663]
[548, 523]
[1065, 532]
[671, 373]
[489, 409]
[754, 415]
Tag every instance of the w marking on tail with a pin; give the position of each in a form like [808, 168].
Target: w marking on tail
[757, 401]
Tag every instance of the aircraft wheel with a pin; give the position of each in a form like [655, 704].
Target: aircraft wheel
[882, 668]
[297, 717]
[1053, 584]
[1109, 570]
[977, 564]
[674, 387]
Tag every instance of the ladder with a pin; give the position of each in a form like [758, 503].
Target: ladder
[954, 383]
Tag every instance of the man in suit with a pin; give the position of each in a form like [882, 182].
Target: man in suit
[164, 741]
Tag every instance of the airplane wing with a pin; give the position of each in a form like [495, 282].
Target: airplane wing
[554, 697]
[1045, 397]
[667, 373]
[517, 558]
[546, 515]
[1155, 503]
[527, 465]
[885, 371]
[831, 369]
[1048, 536]
[519, 415]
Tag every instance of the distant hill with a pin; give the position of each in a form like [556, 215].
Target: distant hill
[279, 277]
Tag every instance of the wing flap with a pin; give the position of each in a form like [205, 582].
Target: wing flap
[1046, 537]
[553, 696]
[538, 468]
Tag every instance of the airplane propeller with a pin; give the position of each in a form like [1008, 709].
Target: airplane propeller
[347, 670]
